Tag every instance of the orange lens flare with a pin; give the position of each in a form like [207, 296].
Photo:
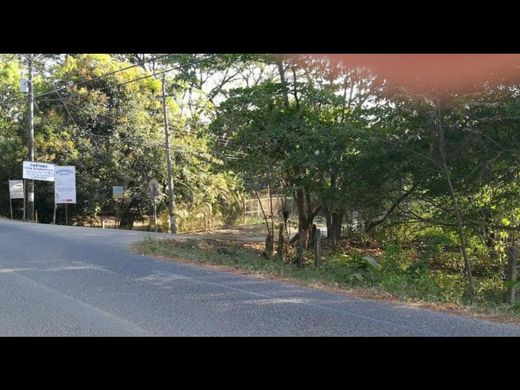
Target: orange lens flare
[448, 72]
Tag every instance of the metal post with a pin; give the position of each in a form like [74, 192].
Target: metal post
[23, 216]
[30, 141]
[154, 214]
[55, 206]
[172, 228]
[66, 215]
[11, 206]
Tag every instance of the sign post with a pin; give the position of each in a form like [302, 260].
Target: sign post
[154, 215]
[118, 192]
[16, 191]
[154, 190]
[23, 216]
[64, 188]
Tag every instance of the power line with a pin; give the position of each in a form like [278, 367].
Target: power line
[112, 122]
[68, 112]
[133, 80]
[81, 82]
[135, 140]
[18, 99]
[146, 76]
[102, 76]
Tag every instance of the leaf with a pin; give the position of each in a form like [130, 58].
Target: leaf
[372, 262]
[358, 276]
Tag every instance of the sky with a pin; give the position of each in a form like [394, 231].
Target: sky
[456, 72]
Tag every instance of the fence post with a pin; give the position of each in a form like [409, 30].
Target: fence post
[317, 247]
[299, 249]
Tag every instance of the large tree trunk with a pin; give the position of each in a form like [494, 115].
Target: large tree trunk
[335, 218]
[283, 242]
[336, 222]
[328, 221]
[304, 220]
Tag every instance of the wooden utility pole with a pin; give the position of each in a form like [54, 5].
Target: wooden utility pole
[30, 142]
[172, 226]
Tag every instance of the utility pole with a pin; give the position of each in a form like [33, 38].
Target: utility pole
[30, 142]
[172, 228]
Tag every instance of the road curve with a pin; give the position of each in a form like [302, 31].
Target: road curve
[72, 281]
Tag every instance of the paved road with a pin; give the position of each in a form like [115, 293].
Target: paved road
[71, 281]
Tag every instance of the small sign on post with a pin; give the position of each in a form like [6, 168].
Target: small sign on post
[15, 192]
[24, 86]
[16, 189]
[118, 192]
[154, 188]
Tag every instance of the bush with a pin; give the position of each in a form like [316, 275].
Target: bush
[392, 259]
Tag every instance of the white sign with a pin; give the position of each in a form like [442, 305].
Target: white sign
[16, 189]
[38, 171]
[117, 192]
[65, 184]
[24, 86]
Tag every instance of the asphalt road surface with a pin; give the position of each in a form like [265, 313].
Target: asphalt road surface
[72, 281]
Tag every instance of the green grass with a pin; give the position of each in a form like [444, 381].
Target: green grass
[390, 273]
[233, 255]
